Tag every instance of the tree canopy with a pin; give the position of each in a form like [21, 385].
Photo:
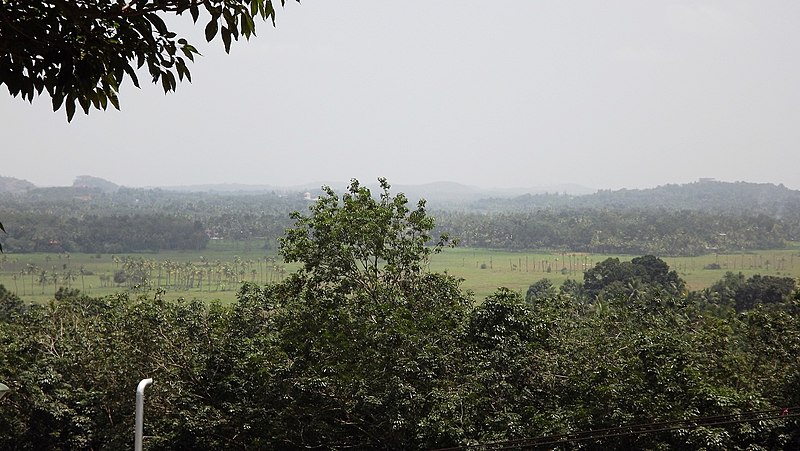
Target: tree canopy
[79, 51]
[359, 242]
[646, 271]
[365, 348]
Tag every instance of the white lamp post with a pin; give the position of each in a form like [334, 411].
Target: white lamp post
[137, 438]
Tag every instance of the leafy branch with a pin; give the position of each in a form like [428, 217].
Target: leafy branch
[79, 52]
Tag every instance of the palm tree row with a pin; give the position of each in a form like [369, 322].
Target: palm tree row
[138, 273]
[217, 275]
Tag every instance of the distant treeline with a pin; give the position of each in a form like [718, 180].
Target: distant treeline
[688, 219]
[635, 231]
[90, 220]
[710, 196]
[102, 234]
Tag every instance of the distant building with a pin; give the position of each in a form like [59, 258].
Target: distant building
[706, 180]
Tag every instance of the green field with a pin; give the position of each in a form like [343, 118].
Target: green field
[486, 270]
[219, 269]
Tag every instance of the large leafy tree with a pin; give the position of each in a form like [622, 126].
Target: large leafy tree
[79, 51]
[362, 243]
[616, 278]
[367, 333]
[744, 294]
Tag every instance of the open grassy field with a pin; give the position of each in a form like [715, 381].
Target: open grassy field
[217, 271]
[486, 270]
[35, 277]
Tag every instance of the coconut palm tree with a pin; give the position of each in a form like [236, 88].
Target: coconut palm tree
[54, 277]
[31, 269]
[43, 278]
[14, 277]
[83, 282]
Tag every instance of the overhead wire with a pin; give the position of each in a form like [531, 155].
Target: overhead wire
[637, 429]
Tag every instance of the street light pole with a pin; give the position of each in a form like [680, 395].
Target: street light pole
[137, 438]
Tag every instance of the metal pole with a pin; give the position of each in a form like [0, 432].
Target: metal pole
[137, 439]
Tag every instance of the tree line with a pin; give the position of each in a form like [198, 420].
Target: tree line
[364, 348]
[712, 196]
[129, 220]
[627, 231]
[45, 232]
[82, 219]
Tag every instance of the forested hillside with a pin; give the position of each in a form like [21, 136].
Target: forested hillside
[14, 185]
[711, 196]
[673, 220]
[689, 219]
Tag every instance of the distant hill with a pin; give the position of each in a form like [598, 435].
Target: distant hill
[711, 196]
[14, 186]
[706, 195]
[455, 195]
[444, 194]
[88, 181]
[688, 219]
[221, 188]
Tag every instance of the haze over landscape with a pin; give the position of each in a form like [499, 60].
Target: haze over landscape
[607, 257]
[514, 94]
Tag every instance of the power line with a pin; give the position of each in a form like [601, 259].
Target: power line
[639, 429]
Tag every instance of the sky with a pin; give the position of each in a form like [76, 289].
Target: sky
[518, 93]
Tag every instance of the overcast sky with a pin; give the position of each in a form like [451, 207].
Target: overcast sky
[514, 93]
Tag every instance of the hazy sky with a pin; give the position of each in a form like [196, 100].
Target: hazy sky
[514, 93]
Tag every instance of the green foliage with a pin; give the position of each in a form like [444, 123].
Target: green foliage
[612, 230]
[80, 51]
[10, 304]
[744, 294]
[642, 273]
[364, 348]
[298, 365]
[360, 243]
[43, 232]
[120, 277]
[131, 220]
[506, 372]
[574, 290]
[541, 289]
[620, 230]
[383, 328]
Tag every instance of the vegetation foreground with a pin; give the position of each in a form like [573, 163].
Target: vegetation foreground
[363, 347]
